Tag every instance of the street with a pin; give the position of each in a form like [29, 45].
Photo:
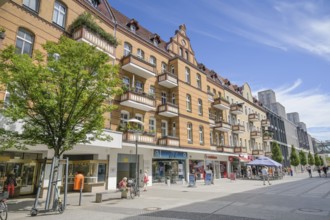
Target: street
[297, 197]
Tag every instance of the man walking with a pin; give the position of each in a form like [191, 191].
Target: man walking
[265, 176]
[325, 171]
[309, 170]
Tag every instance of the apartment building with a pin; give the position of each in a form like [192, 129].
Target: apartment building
[192, 118]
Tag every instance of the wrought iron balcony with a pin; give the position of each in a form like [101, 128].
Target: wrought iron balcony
[138, 66]
[168, 80]
[169, 141]
[168, 110]
[138, 101]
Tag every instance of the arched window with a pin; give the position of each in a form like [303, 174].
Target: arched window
[32, 4]
[164, 67]
[189, 132]
[153, 60]
[188, 75]
[140, 54]
[127, 49]
[200, 107]
[199, 81]
[180, 52]
[188, 102]
[201, 135]
[59, 14]
[24, 42]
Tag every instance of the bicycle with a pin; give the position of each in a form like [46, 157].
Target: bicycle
[133, 189]
[3, 206]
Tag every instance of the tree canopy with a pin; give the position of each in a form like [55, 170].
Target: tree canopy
[321, 161]
[317, 160]
[61, 98]
[302, 158]
[310, 159]
[294, 159]
[276, 153]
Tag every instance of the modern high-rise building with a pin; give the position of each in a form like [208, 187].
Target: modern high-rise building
[294, 117]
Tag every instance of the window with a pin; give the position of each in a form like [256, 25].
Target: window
[132, 27]
[173, 98]
[174, 129]
[180, 52]
[124, 116]
[219, 94]
[155, 41]
[24, 42]
[127, 49]
[164, 97]
[32, 4]
[126, 82]
[164, 128]
[201, 135]
[187, 75]
[172, 69]
[164, 67]
[139, 86]
[199, 81]
[152, 125]
[211, 138]
[217, 139]
[187, 56]
[188, 103]
[153, 60]
[140, 54]
[59, 14]
[152, 91]
[189, 133]
[140, 118]
[200, 107]
[222, 139]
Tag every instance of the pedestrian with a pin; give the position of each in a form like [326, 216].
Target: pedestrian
[265, 176]
[309, 170]
[325, 171]
[122, 185]
[249, 172]
[145, 180]
[10, 184]
[254, 170]
[319, 171]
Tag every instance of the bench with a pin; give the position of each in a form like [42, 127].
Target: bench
[99, 195]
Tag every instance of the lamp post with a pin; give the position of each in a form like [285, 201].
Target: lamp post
[137, 133]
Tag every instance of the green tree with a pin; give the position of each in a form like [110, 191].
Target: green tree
[321, 161]
[294, 159]
[302, 158]
[276, 152]
[62, 98]
[317, 160]
[310, 159]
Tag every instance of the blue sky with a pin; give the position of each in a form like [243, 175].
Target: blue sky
[279, 45]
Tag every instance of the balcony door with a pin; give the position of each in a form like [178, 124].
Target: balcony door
[164, 98]
[164, 128]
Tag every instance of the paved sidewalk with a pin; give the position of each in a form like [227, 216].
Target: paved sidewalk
[158, 196]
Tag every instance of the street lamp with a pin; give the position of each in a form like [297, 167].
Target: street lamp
[137, 133]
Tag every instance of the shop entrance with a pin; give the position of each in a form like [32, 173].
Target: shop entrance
[164, 170]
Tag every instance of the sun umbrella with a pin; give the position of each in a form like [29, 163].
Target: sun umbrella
[265, 161]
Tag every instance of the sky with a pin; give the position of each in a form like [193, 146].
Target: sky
[278, 45]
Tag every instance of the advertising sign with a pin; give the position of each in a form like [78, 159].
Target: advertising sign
[166, 154]
[208, 178]
[192, 181]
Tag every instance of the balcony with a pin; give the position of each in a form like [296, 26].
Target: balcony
[84, 35]
[238, 128]
[210, 96]
[267, 137]
[130, 136]
[138, 101]
[265, 123]
[236, 109]
[222, 126]
[254, 117]
[240, 150]
[221, 103]
[138, 66]
[268, 154]
[255, 134]
[225, 149]
[168, 110]
[168, 80]
[169, 141]
[258, 152]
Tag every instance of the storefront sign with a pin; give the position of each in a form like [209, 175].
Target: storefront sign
[211, 157]
[169, 154]
[192, 180]
[208, 178]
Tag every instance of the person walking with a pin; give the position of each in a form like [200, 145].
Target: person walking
[325, 171]
[145, 180]
[309, 170]
[319, 171]
[10, 184]
[265, 176]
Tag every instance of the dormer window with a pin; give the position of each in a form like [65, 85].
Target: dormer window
[133, 25]
[95, 3]
[132, 28]
[155, 39]
[155, 42]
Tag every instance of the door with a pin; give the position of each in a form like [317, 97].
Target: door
[28, 178]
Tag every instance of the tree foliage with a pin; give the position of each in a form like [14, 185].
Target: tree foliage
[276, 153]
[294, 159]
[302, 158]
[321, 161]
[317, 160]
[60, 102]
[310, 159]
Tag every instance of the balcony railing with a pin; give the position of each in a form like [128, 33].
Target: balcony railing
[253, 117]
[168, 80]
[267, 138]
[255, 134]
[222, 126]
[236, 109]
[225, 149]
[83, 34]
[240, 150]
[221, 103]
[268, 154]
[130, 136]
[169, 141]
[138, 101]
[138, 66]
[238, 128]
[168, 110]
[257, 152]
[265, 123]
